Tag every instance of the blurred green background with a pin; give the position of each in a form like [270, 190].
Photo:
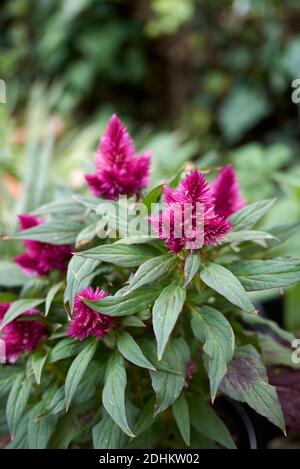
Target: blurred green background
[202, 80]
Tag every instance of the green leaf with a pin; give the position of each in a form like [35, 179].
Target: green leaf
[51, 295]
[125, 305]
[226, 284]
[248, 216]
[17, 308]
[130, 350]
[153, 196]
[165, 312]
[168, 386]
[213, 330]
[56, 232]
[181, 413]
[16, 402]
[77, 369]
[191, 267]
[38, 360]
[66, 207]
[152, 270]
[246, 381]
[257, 320]
[80, 273]
[265, 274]
[291, 314]
[275, 353]
[113, 396]
[247, 235]
[65, 348]
[125, 255]
[107, 435]
[11, 275]
[206, 421]
[40, 429]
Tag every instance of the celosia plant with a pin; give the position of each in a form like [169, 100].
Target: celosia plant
[117, 338]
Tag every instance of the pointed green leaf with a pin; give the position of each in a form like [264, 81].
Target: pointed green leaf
[226, 284]
[124, 305]
[152, 270]
[130, 350]
[247, 381]
[107, 435]
[17, 401]
[38, 360]
[213, 330]
[257, 275]
[19, 307]
[248, 216]
[191, 267]
[165, 312]
[181, 413]
[77, 369]
[125, 255]
[51, 295]
[113, 396]
[206, 421]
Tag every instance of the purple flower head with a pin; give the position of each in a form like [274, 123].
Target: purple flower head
[87, 322]
[188, 218]
[21, 335]
[119, 170]
[226, 190]
[40, 258]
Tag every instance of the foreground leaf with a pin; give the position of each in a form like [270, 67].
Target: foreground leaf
[246, 381]
[181, 413]
[113, 396]
[152, 270]
[124, 305]
[107, 435]
[206, 421]
[165, 312]
[17, 401]
[265, 274]
[125, 255]
[128, 347]
[167, 386]
[19, 307]
[213, 330]
[191, 267]
[226, 284]
[77, 369]
[248, 216]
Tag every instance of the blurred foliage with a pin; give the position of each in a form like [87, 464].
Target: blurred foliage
[218, 73]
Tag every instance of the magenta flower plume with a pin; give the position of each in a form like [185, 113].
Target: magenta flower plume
[21, 335]
[119, 170]
[40, 258]
[87, 322]
[188, 218]
[226, 191]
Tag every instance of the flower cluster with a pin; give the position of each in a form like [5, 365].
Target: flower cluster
[206, 222]
[21, 335]
[119, 170]
[40, 258]
[85, 321]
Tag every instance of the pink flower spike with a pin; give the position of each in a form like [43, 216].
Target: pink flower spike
[21, 335]
[115, 146]
[87, 322]
[40, 258]
[119, 170]
[226, 191]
